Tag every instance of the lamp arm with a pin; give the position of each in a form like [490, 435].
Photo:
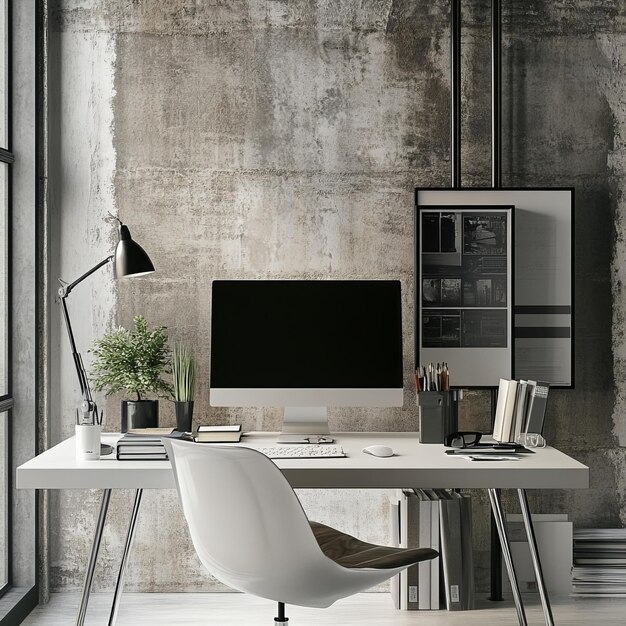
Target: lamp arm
[88, 405]
[83, 381]
[65, 290]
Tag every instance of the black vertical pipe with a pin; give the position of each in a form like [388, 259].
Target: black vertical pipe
[496, 549]
[496, 181]
[496, 92]
[455, 92]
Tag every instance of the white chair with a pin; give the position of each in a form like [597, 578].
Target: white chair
[250, 531]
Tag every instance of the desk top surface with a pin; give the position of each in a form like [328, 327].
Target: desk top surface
[413, 465]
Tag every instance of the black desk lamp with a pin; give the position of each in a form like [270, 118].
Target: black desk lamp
[130, 259]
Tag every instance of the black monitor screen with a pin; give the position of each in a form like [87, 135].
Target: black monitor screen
[306, 334]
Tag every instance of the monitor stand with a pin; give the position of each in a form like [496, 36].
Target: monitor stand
[305, 424]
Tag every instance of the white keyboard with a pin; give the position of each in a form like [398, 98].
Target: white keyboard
[301, 451]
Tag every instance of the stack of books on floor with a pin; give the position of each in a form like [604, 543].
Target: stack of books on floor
[143, 445]
[438, 519]
[521, 409]
[599, 562]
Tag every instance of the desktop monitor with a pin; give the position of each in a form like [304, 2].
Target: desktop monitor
[306, 345]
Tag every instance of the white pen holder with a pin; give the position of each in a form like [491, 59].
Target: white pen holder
[87, 442]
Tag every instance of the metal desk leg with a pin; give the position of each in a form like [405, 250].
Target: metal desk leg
[496, 507]
[496, 563]
[120, 576]
[532, 544]
[93, 557]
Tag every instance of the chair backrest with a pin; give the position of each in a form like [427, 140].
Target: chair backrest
[246, 523]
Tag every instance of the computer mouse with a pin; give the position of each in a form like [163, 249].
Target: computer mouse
[378, 450]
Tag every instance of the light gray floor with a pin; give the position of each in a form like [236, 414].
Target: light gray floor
[225, 609]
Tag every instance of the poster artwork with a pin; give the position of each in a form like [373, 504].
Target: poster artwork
[464, 279]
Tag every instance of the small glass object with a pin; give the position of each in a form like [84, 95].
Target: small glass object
[531, 440]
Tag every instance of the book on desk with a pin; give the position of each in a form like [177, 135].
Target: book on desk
[227, 433]
[145, 444]
[520, 409]
[135, 447]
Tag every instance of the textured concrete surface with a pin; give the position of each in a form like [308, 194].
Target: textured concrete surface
[284, 139]
[24, 288]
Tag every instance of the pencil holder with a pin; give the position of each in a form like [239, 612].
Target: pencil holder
[87, 442]
[438, 414]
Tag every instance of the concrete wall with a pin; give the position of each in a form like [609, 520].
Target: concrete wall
[284, 139]
[24, 287]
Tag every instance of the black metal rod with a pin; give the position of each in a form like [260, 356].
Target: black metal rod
[280, 618]
[78, 364]
[496, 548]
[496, 94]
[80, 279]
[455, 92]
[496, 182]
[83, 380]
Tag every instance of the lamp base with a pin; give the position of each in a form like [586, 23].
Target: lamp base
[105, 449]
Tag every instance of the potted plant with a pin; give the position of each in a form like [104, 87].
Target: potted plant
[133, 361]
[184, 375]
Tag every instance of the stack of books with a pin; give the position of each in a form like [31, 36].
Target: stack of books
[599, 562]
[438, 519]
[521, 409]
[143, 445]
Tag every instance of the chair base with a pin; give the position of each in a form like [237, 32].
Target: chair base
[281, 619]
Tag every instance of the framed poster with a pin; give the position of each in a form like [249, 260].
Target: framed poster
[543, 314]
[464, 261]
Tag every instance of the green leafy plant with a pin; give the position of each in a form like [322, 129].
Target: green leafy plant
[184, 373]
[132, 360]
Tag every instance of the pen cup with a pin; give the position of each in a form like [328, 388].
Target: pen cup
[438, 414]
[87, 442]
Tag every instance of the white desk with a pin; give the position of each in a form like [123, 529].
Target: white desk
[414, 465]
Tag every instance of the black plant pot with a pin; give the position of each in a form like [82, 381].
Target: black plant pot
[139, 414]
[184, 415]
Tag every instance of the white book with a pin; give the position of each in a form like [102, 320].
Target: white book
[425, 534]
[409, 538]
[509, 411]
[503, 391]
[394, 531]
[434, 544]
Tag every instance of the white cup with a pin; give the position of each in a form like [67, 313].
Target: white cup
[87, 442]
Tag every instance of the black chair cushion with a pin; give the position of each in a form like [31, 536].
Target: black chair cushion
[349, 551]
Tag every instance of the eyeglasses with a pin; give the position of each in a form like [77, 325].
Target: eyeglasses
[463, 439]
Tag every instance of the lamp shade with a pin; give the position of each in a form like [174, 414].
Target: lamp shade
[130, 258]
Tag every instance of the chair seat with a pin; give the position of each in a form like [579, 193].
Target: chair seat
[349, 551]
